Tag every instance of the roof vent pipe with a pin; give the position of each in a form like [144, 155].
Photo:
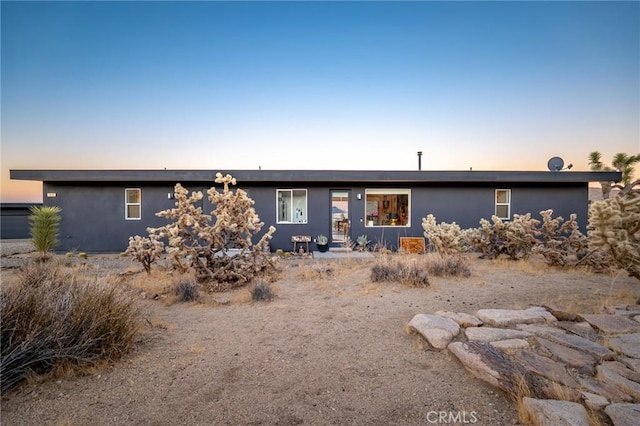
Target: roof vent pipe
[419, 160]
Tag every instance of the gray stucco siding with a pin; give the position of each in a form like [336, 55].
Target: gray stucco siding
[467, 205]
[563, 200]
[93, 214]
[318, 218]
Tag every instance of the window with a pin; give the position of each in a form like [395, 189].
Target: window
[387, 207]
[503, 203]
[132, 204]
[291, 206]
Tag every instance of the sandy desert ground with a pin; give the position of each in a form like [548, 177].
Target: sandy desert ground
[330, 349]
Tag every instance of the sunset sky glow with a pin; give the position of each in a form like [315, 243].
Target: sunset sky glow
[315, 85]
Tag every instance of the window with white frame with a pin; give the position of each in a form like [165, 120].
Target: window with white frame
[132, 204]
[387, 207]
[291, 206]
[503, 203]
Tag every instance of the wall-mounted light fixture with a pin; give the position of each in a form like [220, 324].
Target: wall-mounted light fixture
[359, 196]
[171, 195]
[51, 195]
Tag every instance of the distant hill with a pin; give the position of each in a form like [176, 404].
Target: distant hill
[595, 193]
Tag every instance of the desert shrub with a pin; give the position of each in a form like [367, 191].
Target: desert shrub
[347, 243]
[44, 222]
[34, 274]
[262, 291]
[145, 250]
[596, 259]
[398, 269]
[381, 247]
[614, 226]
[445, 238]
[186, 290]
[453, 266]
[61, 319]
[195, 244]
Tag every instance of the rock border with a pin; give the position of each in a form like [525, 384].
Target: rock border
[561, 364]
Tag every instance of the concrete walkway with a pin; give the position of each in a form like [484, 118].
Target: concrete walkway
[342, 254]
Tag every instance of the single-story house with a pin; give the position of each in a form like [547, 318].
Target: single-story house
[101, 209]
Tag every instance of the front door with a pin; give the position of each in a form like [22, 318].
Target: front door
[340, 220]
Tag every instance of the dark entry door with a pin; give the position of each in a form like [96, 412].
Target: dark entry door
[340, 220]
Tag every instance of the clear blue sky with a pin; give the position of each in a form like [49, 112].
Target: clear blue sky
[315, 85]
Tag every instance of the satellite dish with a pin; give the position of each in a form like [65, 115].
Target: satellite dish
[555, 164]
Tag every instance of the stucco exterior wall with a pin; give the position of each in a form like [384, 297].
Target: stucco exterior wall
[93, 215]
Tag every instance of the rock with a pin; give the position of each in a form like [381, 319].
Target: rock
[553, 412]
[463, 320]
[572, 341]
[626, 310]
[489, 364]
[508, 345]
[626, 344]
[631, 363]
[546, 367]
[609, 375]
[623, 414]
[508, 317]
[606, 390]
[491, 334]
[623, 370]
[562, 315]
[582, 329]
[539, 329]
[613, 324]
[436, 329]
[636, 318]
[594, 401]
[581, 361]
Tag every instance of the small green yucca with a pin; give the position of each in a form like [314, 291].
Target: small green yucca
[44, 222]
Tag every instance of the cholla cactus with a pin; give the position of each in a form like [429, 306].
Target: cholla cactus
[145, 250]
[236, 219]
[196, 244]
[614, 226]
[561, 242]
[182, 233]
[445, 238]
[520, 236]
[516, 239]
[488, 238]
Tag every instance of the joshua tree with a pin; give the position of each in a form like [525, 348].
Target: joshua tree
[621, 162]
[625, 163]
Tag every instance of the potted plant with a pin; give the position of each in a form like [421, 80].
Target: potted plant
[323, 243]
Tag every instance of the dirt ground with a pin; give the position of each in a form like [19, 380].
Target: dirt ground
[330, 349]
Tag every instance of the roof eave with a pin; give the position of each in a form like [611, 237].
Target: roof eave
[334, 176]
